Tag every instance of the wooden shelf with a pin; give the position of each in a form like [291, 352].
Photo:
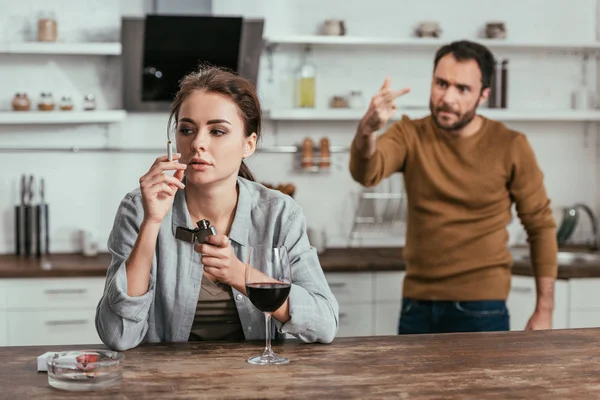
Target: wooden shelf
[321, 40]
[101, 49]
[61, 117]
[497, 114]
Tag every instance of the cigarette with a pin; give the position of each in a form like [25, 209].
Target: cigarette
[169, 151]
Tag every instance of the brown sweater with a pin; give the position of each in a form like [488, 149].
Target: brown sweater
[460, 192]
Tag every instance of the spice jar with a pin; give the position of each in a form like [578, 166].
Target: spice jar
[66, 103]
[325, 154]
[89, 102]
[21, 102]
[46, 102]
[307, 153]
[356, 99]
[47, 27]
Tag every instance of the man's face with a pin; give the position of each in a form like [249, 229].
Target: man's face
[455, 93]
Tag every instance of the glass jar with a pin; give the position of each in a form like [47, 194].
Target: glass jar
[356, 99]
[305, 81]
[47, 27]
[89, 102]
[46, 102]
[66, 103]
[21, 102]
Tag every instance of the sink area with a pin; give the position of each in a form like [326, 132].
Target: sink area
[564, 257]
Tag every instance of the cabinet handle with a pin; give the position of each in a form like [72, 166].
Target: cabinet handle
[67, 322]
[65, 291]
[337, 285]
[522, 289]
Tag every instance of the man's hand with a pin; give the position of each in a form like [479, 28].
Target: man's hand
[381, 109]
[541, 319]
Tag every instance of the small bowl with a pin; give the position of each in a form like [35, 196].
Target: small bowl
[85, 369]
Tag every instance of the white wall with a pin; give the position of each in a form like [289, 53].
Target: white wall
[83, 190]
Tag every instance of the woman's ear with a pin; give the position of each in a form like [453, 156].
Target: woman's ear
[250, 145]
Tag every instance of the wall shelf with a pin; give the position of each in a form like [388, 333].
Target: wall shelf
[61, 117]
[100, 49]
[424, 43]
[293, 114]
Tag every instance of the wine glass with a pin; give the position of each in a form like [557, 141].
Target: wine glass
[268, 283]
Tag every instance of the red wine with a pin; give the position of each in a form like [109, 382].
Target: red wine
[268, 297]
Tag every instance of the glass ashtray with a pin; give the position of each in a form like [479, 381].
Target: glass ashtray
[85, 369]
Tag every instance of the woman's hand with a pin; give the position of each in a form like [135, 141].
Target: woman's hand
[220, 261]
[159, 188]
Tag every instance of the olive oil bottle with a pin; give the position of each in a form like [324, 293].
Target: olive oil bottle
[306, 81]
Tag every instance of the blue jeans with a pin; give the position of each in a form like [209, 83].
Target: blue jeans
[420, 316]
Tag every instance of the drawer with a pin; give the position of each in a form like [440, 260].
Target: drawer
[356, 320]
[352, 287]
[51, 293]
[3, 329]
[387, 316]
[27, 328]
[584, 293]
[388, 286]
[584, 318]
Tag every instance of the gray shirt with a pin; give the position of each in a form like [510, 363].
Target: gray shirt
[166, 311]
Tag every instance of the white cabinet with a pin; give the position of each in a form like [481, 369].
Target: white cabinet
[522, 300]
[52, 327]
[3, 329]
[49, 311]
[354, 293]
[369, 302]
[388, 301]
[585, 303]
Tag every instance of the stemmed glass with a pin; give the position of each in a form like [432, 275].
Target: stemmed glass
[268, 283]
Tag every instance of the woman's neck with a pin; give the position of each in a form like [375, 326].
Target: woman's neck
[216, 203]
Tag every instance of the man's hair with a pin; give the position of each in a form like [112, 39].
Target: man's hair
[465, 50]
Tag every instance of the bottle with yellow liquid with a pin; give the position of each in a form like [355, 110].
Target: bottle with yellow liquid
[306, 81]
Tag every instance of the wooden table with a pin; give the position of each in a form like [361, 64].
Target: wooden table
[516, 365]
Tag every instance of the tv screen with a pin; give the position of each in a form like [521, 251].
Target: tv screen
[176, 45]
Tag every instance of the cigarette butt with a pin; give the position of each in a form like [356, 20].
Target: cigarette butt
[169, 151]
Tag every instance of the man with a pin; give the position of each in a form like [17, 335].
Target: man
[462, 173]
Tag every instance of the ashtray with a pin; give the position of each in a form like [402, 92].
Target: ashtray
[85, 369]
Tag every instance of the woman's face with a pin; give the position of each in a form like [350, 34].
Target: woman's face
[211, 138]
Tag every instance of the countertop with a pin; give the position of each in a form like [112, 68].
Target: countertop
[332, 260]
[553, 364]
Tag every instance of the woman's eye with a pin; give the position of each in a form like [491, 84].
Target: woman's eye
[218, 132]
[185, 131]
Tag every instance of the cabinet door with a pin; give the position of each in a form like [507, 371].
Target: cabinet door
[387, 316]
[54, 293]
[60, 327]
[585, 318]
[521, 301]
[351, 287]
[3, 329]
[355, 320]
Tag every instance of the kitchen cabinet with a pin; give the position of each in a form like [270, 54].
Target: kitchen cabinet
[369, 301]
[584, 303]
[354, 293]
[49, 311]
[522, 299]
[3, 329]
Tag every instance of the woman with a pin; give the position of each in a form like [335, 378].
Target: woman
[159, 288]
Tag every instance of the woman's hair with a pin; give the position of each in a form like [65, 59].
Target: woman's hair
[222, 81]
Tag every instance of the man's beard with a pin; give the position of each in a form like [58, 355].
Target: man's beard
[463, 120]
